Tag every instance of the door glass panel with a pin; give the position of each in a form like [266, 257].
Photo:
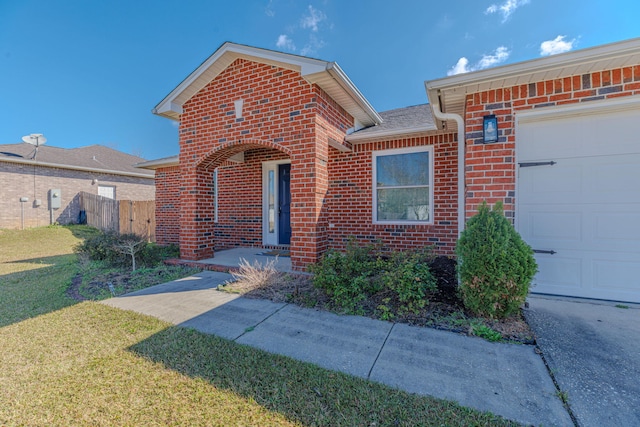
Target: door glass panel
[271, 201]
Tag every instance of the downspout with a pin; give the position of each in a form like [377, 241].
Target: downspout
[436, 108]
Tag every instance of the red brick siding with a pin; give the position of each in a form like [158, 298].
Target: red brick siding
[349, 203]
[279, 112]
[240, 200]
[168, 205]
[34, 182]
[490, 168]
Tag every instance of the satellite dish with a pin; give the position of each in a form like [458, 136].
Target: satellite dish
[36, 139]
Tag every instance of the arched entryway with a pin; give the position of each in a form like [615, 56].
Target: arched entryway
[244, 194]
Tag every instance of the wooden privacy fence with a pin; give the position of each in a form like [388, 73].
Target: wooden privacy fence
[122, 216]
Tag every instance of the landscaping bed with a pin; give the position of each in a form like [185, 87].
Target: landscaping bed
[443, 311]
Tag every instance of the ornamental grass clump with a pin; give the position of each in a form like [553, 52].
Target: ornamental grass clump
[495, 265]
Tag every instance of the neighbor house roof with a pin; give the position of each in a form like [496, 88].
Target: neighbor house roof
[327, 75]
[93, 158]
[450, 92]
[400, 122]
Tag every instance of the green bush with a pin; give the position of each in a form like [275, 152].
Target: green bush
[100, 247]
[351, 277]
[363, 273]
[103, 246]
[494, 264]
[409, 279]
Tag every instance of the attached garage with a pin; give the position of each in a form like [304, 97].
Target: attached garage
[578, 198]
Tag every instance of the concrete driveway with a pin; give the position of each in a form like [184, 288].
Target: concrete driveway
[593, 351]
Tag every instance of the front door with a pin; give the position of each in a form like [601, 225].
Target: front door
[276, 199]
[284, 204]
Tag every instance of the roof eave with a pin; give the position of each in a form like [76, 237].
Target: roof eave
[309, 68]
[461, 84]
[164, 162]
[78, 168]
[385, 134]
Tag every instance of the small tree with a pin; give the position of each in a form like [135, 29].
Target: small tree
[494, 264]
[130, 244]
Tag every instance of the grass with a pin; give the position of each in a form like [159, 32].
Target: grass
[67, 363]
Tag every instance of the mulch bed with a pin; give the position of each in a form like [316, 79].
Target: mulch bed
[445, 311]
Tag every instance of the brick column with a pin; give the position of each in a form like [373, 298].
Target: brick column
[197, 213]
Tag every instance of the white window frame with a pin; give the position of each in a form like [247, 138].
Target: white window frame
[113, 191]
[374, 185]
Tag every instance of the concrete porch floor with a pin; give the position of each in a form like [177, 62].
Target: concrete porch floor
[231, 258]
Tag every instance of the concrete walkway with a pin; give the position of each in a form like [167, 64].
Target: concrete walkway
[505, 379]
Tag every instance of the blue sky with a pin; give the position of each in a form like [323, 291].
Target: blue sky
[88, 72]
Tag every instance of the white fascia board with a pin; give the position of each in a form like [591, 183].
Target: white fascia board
[159, 163]
[234, 51]
[77, 168]
[400, 133]
[539, 65]
[344, 81]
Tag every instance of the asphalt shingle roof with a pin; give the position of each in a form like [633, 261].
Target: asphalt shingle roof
[96, 157]
[401, 119]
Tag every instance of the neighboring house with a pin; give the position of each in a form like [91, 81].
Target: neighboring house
[56, 176]
[278, 149]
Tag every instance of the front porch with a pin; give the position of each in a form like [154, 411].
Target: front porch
[229, 259]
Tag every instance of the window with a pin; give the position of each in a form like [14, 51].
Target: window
[108, 191]
[215, 195]
[403, 186]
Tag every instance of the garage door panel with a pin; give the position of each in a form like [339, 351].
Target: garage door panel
[618, 228]
[610, 227]
[615, 274]
[606, 176]
[589, 135]
[583, 180]
[558, 271]
[586, 206]
[560, 225]
[551, 184]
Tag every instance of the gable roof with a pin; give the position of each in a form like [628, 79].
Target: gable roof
[327, 75]
[398, 122]
[450, 92]
[93, 158]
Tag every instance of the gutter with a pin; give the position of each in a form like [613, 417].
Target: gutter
[435, 102]
[78, 168]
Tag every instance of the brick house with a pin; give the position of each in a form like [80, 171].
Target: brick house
[282, 150]
[95, 169]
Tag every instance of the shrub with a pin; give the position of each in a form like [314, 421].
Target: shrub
[351, 277]
[409, 278]
[494, 264]
[363, 273]
[100, 247]
[107, 247]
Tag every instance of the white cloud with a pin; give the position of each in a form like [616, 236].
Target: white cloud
[506, 9]
[498, 56]
[557, 45]
[269, 10]
[312, 20]
[285, 42]
[312, 23]
[462, 66]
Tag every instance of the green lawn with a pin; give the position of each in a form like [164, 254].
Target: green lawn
[64, 363]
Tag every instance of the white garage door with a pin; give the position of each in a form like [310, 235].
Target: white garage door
[578, 199]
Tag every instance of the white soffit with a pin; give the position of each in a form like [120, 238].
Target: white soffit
[164, 162]
[453, 90]
[327, 75]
